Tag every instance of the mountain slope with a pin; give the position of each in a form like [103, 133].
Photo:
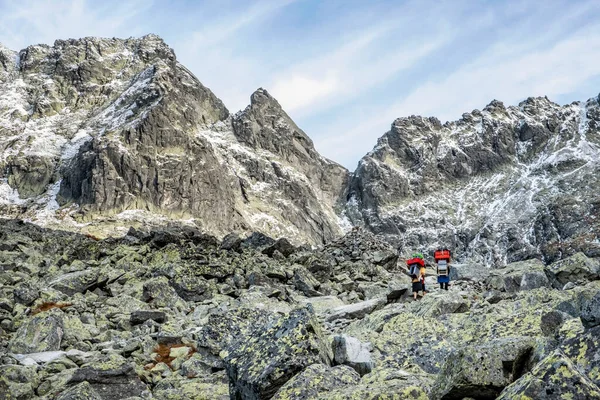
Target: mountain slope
[498, 185]
[96, 128]
[97, 135]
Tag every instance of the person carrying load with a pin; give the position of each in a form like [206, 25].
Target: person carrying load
[415, 265]
[442, 261]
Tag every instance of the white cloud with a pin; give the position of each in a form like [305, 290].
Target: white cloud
[343, 74]
[557, 70]
[301, 91]
[509, 71]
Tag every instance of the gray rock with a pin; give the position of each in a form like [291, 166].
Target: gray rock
[81, 391]
[519, 276]
[139, 317]
[356, 310]
[258, 365]
[483, 371]
[590, 311]
[283, 246]
[576, 269]
[306, 283]
[44, 332]
[317, 381]
[75, 282]
[26, 294]
[350, 351]
[552, 321]
[18, 382]
[111, 378]
[232, 242]
[555, 377]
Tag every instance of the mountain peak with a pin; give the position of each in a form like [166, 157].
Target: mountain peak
[263, 97]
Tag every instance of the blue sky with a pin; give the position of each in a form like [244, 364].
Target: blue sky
[345, 69]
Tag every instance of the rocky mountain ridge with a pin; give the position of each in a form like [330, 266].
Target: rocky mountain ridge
[97, 135]
[95, 128]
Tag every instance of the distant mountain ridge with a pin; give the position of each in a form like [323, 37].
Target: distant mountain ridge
[100, 134]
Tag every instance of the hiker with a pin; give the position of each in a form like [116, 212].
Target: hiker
[442, 260]
[423, 271]
[416, 265]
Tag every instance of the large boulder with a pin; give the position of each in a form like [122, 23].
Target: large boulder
[440, 303]
[76, 282]
[590, 311]
[305, 282]
[44, 332]
[17, 382]
[584, 350]
[519, 276]
[483, 371]
[209, 386]
[283, 246]
[578, 268]
[350, 351]
[356, 310]
[81, 391]
[317, 381]
[555, 377]
[111, 377]
[258, 365]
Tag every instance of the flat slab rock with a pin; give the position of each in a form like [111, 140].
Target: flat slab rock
[356, 310]
[139, 317]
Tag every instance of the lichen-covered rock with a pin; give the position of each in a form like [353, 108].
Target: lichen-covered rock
[440, 303]
[111, 377]
[482, 371]
[577, 268]
[81, 391]
[75, 282]
[43, 332]
[523, 275]
[555, 377]
[305, 282]
[387, 381]
[257, 366]
[224, 328]
[584, 350]
[323, 304]
[316, 382]
[26, 293]
[159, 293]
[17, 382]
[590, 311]
[208, 387]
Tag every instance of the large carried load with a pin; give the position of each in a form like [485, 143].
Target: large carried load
[442, 254]
[417, 258]
[414, 265]
[442, 259]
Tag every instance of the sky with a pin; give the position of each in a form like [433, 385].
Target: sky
[345, 69]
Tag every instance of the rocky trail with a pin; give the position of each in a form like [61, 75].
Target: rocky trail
[177, 314]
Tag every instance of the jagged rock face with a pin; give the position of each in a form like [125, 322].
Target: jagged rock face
[265, 128]
[499, 185]
[93, 128]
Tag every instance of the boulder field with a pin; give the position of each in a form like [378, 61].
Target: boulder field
[177, 314]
